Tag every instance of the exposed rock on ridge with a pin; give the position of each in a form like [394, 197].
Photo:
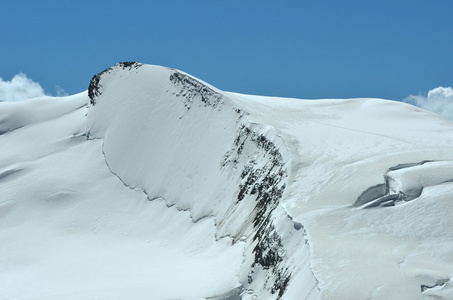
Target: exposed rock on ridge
[95, 87]
[254, 164]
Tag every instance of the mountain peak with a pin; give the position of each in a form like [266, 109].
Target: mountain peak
[167, 187]
[95, 88]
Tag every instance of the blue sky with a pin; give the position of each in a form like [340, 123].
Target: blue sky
[303, 49]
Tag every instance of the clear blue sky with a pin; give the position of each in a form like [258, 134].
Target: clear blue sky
[305, 49]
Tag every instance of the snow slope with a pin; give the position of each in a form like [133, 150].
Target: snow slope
[155, 185]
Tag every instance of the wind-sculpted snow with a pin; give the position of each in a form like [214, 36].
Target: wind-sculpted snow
[240, 178]
[406, 182]
[154, 184]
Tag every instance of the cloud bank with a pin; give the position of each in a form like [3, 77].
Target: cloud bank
[439, 101]
[20, 88]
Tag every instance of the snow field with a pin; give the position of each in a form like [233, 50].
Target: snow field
[160, 186]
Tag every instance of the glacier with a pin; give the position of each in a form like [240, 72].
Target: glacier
[153, 184]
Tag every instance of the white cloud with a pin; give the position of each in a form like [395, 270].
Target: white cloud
[60, 92]
[20, 88]
[439, 100]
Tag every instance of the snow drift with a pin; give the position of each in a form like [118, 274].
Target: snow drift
[156, 185]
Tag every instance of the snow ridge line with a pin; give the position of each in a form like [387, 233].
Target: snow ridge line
[263, 169]
[263, 176]
[299, 226]
[277, 153]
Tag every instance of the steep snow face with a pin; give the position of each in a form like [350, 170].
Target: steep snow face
[182, 141]
[71, 229]
[154, 184]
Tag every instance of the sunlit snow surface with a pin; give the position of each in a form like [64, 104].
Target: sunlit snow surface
[159, 186]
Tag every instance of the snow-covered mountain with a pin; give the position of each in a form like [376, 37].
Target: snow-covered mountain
[155, 185]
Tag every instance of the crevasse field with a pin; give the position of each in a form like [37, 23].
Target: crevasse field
[155, 185]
